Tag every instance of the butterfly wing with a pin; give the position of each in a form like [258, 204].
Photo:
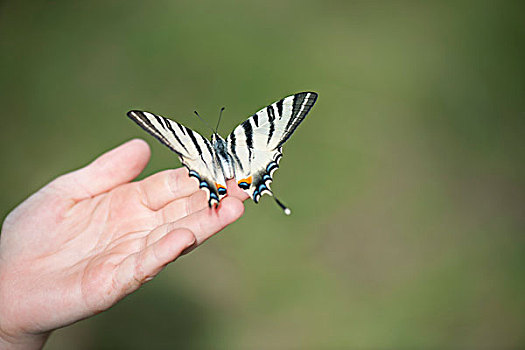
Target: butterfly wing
[255, 145]
[195, 152]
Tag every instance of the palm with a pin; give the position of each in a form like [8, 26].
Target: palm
[91, 237]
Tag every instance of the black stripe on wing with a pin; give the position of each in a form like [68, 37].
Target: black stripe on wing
[302, 103]
[191, 134]
[144, 120]
[248, 131]
[233, 149]
[271, 118]
[280, 108]
[176, 137]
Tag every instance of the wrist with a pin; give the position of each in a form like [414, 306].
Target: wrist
[26, 342]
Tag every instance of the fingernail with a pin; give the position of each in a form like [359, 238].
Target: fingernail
[189, 249]
[192, 242]
[190, 246]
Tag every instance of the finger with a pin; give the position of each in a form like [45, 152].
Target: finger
[163, 187]
[206, 222]
[235, 191]
[118, 166]
[182, 207]
[142, 266]
[167, 187]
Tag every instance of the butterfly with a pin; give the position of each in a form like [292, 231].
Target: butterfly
[250, 154]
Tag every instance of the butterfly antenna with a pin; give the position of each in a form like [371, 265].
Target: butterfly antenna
[286, 210]
[220, 116]
[202, 120]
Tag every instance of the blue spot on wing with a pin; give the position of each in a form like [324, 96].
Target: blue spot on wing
[271, 166]
[244, 185]
[195, 174]
[203, 183]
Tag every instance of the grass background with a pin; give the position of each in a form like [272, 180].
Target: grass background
[406, 179]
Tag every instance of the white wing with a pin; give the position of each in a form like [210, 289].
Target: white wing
[256, 144]
[194, 151]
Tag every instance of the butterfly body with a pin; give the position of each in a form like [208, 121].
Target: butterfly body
[222, 157]
[250, 154]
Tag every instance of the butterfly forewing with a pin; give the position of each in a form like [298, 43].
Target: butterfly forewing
[195, 151]
[255, 145]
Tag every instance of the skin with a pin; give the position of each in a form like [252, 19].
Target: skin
[89, 238]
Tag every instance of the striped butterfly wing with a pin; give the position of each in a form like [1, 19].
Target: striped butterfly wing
[255, 145]
[195, 152]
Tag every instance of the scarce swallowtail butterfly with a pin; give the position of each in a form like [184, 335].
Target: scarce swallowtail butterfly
[250, 154]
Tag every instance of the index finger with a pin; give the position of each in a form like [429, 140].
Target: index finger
[166, 186]
[235, 191]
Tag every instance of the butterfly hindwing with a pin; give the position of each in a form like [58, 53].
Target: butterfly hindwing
[195, 151]
[255, 145]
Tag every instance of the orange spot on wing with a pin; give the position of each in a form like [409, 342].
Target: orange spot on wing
[219, 186]
[248, 180]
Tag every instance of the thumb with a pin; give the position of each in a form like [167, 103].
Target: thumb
[117, 166]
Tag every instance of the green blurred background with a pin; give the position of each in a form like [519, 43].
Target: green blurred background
[406, 180]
